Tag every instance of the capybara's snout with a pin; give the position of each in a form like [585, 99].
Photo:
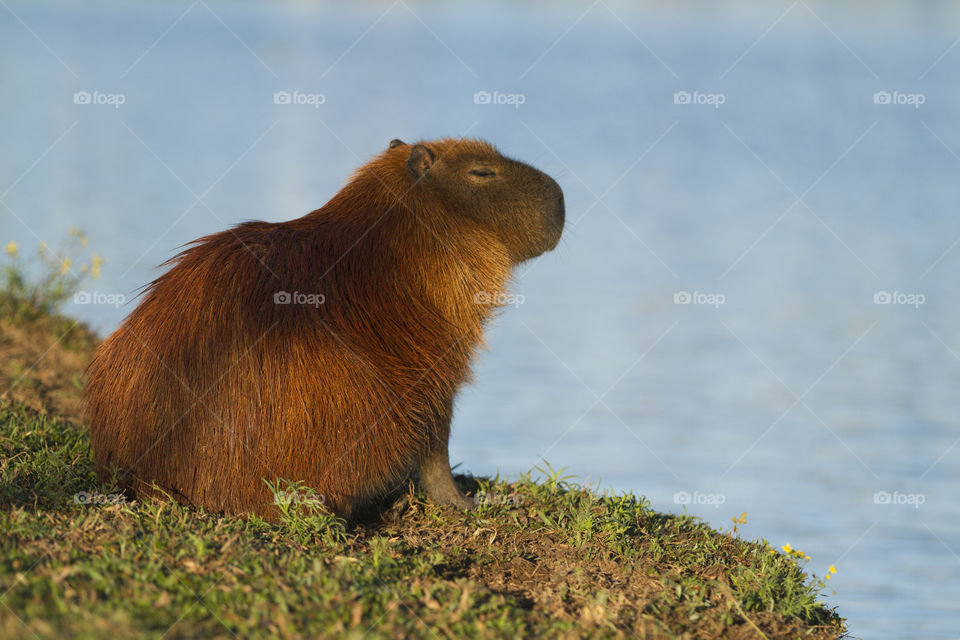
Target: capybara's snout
[556, 216]
[552, 214]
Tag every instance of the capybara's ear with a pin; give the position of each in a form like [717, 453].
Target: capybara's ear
[420, 160]
[396, 142]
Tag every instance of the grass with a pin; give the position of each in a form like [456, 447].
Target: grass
[544, 558]
[34, 288]
[538, 557]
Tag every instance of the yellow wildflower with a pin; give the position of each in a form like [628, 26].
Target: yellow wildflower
[95, 263]
[788, 548]
[12, 248]
[65, 266]
[832, 569]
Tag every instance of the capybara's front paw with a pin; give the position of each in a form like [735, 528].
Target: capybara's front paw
[437, 481]
[454, 498]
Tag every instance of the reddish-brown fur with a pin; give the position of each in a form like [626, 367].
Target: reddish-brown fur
[210, 387]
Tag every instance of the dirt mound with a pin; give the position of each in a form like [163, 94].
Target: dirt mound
[42, 364]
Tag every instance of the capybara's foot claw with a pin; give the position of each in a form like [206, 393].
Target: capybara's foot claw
[458, 501]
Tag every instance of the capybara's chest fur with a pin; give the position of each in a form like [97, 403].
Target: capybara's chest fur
[326, 350]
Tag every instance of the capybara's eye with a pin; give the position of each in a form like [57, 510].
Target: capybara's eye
[483, 172]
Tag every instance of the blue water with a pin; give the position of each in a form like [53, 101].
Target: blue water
[797, 200]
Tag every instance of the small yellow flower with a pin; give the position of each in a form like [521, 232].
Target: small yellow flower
[832, 569]
[806, 557]
[79, 235]
[788, 548]
[95, 264]
[827, 577]
[12, 248]
[65, 266]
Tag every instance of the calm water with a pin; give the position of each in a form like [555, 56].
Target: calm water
[793, 203]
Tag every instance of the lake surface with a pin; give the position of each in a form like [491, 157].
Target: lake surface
[742, 156]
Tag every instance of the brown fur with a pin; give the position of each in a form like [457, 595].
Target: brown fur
[209, 387]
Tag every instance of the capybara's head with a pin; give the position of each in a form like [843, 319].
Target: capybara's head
[522, 206]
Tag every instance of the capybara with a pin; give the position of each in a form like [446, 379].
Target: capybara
[325, 350]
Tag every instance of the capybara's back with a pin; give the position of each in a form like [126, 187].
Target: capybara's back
[325, 350]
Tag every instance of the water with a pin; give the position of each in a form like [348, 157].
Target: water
[797, 199]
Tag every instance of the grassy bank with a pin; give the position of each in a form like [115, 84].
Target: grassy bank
[539, 557]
